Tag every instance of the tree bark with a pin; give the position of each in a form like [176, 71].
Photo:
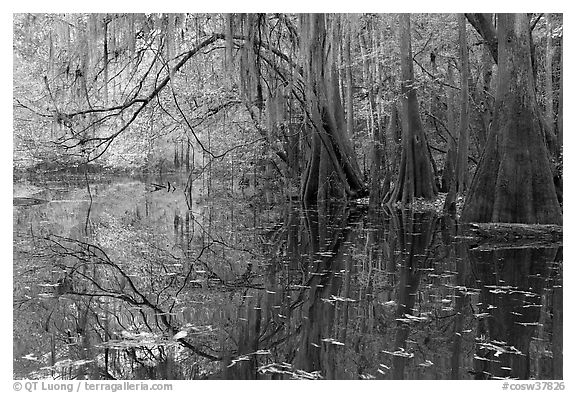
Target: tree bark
[349, 81]
[450, 163]
[415, 177]
[328, 125]
[228, 57]
[486, 106]
[548, 74]
[513, 182]
[560, 123]
[464, 134]
[484, 26]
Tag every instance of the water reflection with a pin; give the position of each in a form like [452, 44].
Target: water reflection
[164, 287]
[512, 310]
[415, 231]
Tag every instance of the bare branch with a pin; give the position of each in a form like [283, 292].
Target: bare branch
[482, 23]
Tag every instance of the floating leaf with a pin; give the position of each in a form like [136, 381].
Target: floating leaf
[332, 341]
[263, 352]
[239, 359]
[485, 359]
[180, 334]
[400, 353]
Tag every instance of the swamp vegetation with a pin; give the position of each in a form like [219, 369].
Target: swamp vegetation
[277, 196]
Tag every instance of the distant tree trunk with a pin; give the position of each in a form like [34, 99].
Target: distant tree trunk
[105, 61]
[228, 59]
[548, 74]
[349, 82]
[560, 110]
[513, 182]
[464, 134]
[415, 176]
[381, 120]
[434, 107]
[450, 163]
[368, 82]
[332, 161]
[176, 159]
[378, 171]
[182, 153]
[377, 165]
[187, 156]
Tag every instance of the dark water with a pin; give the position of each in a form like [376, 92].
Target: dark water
[126, 281]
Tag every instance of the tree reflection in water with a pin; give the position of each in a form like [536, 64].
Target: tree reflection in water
[201, 289]
[415, 232]
[515, 288]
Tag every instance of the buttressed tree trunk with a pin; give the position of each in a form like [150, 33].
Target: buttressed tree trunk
[332, 163]
[415, 177]
[464, 134]
[513, 182]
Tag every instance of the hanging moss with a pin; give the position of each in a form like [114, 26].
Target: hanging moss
[112, 30]
[93, 33]
[254, 90]
[50, 54]
[170, 42]
[180, 28]
[131, 39]
[228, 28]
[81, 48]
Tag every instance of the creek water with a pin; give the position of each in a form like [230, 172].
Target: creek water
[122, 277]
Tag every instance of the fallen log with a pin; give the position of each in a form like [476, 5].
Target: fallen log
[508, 232]
[27, 201]
[488, 245]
